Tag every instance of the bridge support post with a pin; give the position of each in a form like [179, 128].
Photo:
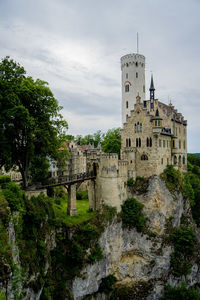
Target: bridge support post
[91, 195]
[71, 209]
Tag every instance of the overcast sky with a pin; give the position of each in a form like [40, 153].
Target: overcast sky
[76, 46]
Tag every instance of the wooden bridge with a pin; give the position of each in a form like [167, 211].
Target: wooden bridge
[71, 183]
[71, 179]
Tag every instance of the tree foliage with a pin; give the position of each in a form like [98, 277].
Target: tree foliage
[31, 126]
[112, 141]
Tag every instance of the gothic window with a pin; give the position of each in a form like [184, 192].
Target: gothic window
[175, 160]
[140, 127]
[156, 123]
[136, 64]
[136, 74]
[135, 127]
[144, 157]
[127, 88]
[127, 65]
[147, 142]
[139, 142]
[126, 104]
[150, 142]
[183, 159]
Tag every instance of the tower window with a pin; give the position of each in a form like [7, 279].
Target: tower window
[147, 142]
[183, 159]
[127, 65]
[150, 142]
[139, 142]
[135, 127]
[136, 64]
[126, 75]
[127, 88]
[126, 104]
[152, 105]
[145, 103]
[136, 74]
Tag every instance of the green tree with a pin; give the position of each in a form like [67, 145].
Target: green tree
[112, 141]
[31, 126]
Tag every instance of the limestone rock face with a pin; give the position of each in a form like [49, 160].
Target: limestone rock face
[134, 257]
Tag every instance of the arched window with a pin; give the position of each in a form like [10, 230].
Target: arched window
[139, 142]
[135, 127]
[127, 88]
[147, 142]
[144, 157]
[175, 160]
[150, 142]
[183, 159]
[179, 160]
[140, 127]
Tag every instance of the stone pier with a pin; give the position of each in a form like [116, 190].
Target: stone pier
[91, 195]
[71, 209]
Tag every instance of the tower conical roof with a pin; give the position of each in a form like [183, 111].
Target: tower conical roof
[152, 84]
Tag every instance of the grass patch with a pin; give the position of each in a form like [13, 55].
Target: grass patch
[83, 212]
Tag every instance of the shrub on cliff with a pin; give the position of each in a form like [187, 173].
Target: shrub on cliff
[183, 239]
[132, 215]
[172, 178]
[180, 293]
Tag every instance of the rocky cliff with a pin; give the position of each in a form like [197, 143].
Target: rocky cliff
[141, 263]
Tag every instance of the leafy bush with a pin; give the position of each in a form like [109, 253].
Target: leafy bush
[86, 234]
[172, 178]
[141, 185]
[183, 239]
[106, 285]
[130, 182]
[95, 255]
[132, 215]
[4, 179]
[180, 293]
[14, 195]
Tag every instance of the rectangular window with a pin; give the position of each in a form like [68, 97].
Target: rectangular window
[127, 88]
[126, 75]
[136, 74]
[126, 104]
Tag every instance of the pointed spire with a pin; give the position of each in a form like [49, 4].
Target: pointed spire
[152, 89]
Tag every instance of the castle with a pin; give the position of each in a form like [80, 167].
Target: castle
[153, 136]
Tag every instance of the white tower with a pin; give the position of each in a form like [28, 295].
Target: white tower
[133, 82]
